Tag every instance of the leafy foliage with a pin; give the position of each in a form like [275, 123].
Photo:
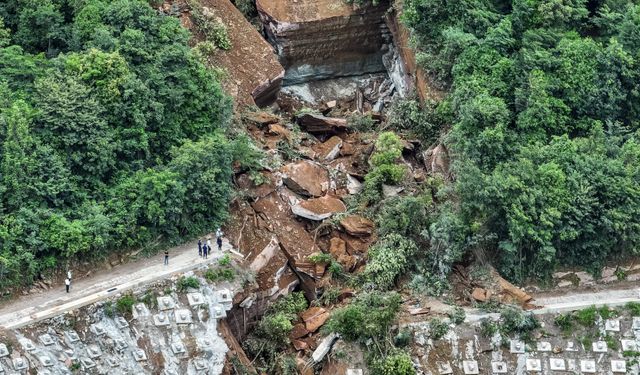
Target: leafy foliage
[398, 363]
[369, 316]
[384, 169]
[186, 283]
[111, 134]
[544, 116]
[388, 259]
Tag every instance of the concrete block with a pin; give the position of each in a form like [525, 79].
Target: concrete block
[112, 362]
[543, 346]
[352, 371]
[636, 323]
[161, 319]
[612, 325]
[121, 322]
[324, 348]
[183, 316]
[72, 336]
[571, 347]
[516, 347]
[4, 351]
[46, 339]
[557, 364]
[27, 345]
[140, 311]
[166, 303]
[218, 312]
[98, 329]
[534, 365]
[20, 363]
[588, 366]
[224, 296]
[195, 299]
[444, 368]
[200, 364]
[628, 345]
[120, 345]
[618, 366]
[178, 347]
[599, 347]
[170, 371]
[205, 344]
[45, 360]
[139, 355]
[499, 367]
[470, 367]
[93, 351]
[87, 363]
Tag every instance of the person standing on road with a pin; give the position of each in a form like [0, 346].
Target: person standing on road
[67, 284]
[166, 257]
[200, 248]
[219, 241]
[209, 242]
[218, 233]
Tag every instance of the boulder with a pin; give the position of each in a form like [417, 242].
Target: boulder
[357, 225]
[436, 160]
[330, 149]
[279, 130]
[319, 124]
[337, 247]
[319, 208]
[354, 186]
[300, 345]
[299, 330]
[324, 348]
[314, 318]
[479, 294]
[261, 118]
[391, 191]
[306, 178]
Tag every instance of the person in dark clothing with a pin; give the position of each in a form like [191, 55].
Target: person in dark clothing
[219, 241]
[67, 284]
[205, 251]
[200, 248]
[166, 257]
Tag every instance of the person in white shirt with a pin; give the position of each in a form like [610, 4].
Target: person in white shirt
[67, 284]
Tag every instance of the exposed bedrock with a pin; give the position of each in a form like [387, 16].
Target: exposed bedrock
[320, 39]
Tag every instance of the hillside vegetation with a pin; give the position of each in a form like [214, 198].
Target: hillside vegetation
[545, 102]
[111, 133]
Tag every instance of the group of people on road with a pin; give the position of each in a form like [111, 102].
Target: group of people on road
[204, 248]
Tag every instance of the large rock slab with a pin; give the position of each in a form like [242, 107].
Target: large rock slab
[318, 209]
[314, 318]
[357, 225]
[306, 178]
[320, 39]
[319, 124]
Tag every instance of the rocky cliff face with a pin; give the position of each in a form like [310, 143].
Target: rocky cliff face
[320, 39]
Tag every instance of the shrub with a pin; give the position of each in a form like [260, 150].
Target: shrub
[329, 297]
[388, 259]
[385, 169]
[437, 328]
[225, 260]
[213, 29]
[607, 312]
[108, 309]
[587, 317]
[488, 328]
[457, 315]
[369, 316]
[188, 283]
[290, 305]
[398, 363]
[361, 123]
[633, 308]
[276, 327]
[320, 258]
[515, 320]
[220, 274]
[564, 322]
[125, 303]
[403, 338]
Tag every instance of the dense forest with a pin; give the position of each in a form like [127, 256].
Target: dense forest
[111, 133]
[544, 103]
